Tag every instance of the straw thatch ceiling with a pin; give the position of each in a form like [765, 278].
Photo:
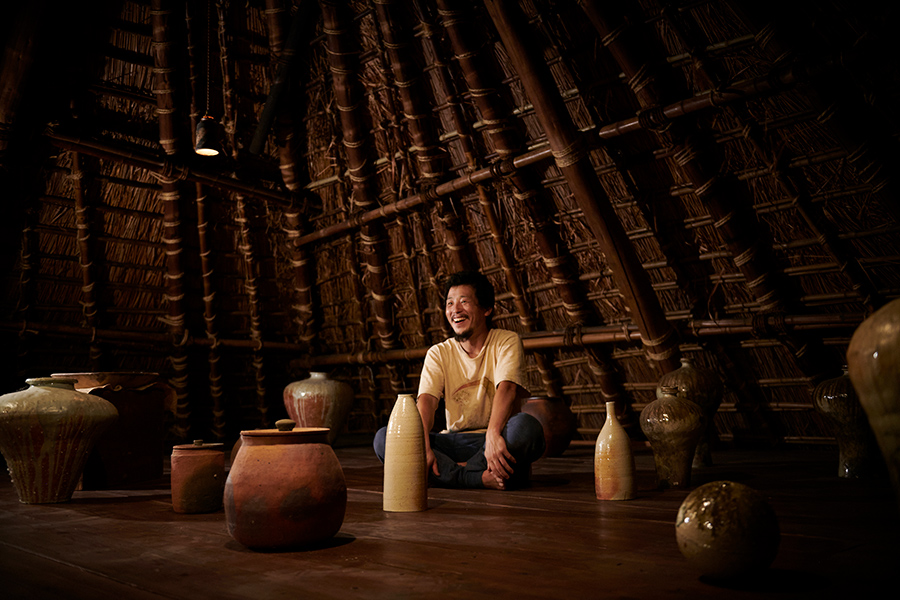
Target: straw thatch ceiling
[641, 180]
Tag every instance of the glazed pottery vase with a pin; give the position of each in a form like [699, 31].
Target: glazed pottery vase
[405, 476]
[727, 530]
[318, 401]
[198, 477]
[613, 460]
[858, 454]
[557, 419]
[133, 450]
[873, 363]
[285, 489]
[673, 427]
[46, 433]
[704, 388]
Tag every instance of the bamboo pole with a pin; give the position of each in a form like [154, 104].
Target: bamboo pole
[349, 101]
[245, 246]
[165, 73]
[572, 159]
[86, 258]
[430, 157]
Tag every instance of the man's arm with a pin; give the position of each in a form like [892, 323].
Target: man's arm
[427, 404]
[495, 451]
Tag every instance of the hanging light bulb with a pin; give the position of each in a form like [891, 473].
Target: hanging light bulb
[206, 141]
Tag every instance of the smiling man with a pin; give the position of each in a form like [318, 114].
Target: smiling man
[479, 372]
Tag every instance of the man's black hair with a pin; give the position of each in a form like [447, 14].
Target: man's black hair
[484, 290]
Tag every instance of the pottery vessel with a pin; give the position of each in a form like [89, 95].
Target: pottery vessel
[704, 388]
[727, 530]
[836, 400]
[613, 460]
[198, 477]
[46, 433]
[286, 488]
[873, 363]
[557, 419]
[133, 450]
[405, 475]
[673, 427]
[318, 401]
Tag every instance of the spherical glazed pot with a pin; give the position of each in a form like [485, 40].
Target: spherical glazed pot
[727, 530]
[858, 454]
[557, 419]
[873, 363]
[46, 433]
[613, 460]
[673, 427]
[198, 477]
[318, 401]
[285, 489]
[704, 388]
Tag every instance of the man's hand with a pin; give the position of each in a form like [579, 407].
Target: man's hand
[499, 458]
[431, 462]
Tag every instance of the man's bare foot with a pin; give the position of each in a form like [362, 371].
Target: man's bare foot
[491, 481]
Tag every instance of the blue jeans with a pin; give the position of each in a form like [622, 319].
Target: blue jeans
[524, 437]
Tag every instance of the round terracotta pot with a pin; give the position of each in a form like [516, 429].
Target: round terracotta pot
[727, 530]
[198, 477]
[285, 489]
[704, 388]
[873, 363]
[556, 418]
[673, 427]
[318, 401]
[46, 433]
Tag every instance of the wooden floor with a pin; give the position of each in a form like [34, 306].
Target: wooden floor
[552, 540]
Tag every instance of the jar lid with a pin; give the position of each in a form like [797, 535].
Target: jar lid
[199, 445]
[286, 434]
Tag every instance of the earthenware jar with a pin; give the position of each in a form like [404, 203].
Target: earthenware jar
[673, 427]
[285, 489]
[836, 400]
[613, 460]
[198, 477]
[46, 433]
[727, 530]
[318, 401]
[557, 419]
[873, 363]
[405, 476]
[704, 388]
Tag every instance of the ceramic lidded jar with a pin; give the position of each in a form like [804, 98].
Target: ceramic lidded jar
[673, 427]
[704, 388]
[405, 475]
[836, 400]
[556, 418]
[318, 401]
[285, 489]
[613, 460]
[198, 477]
[873, 363]
[46, 433]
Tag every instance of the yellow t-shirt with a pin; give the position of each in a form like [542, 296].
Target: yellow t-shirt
[468, 384]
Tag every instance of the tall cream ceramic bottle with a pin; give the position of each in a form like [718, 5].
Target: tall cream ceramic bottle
[613, 460]
[405, 479]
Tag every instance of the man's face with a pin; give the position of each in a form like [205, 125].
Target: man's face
[466, 318]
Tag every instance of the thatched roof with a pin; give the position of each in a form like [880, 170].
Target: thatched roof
[641, 180]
